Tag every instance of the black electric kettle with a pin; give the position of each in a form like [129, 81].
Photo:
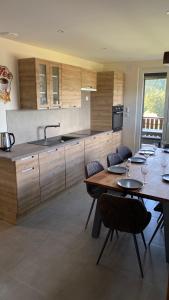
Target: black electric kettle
[5, 141]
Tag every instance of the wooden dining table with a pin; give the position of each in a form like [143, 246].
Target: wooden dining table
[155, 188]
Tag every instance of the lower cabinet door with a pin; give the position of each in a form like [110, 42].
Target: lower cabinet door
[52, 172]
[28, 189]
[74, 157]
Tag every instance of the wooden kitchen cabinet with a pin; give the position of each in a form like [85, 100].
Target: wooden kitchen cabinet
[94, 148]
[27, 182]
[112, 141]
[74, 158]
[98, 146]
[52, 172]
[40, 85]
[110, 86]
[71, 86]
[89, 79]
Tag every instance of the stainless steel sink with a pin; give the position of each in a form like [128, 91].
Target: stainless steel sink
[53, 141]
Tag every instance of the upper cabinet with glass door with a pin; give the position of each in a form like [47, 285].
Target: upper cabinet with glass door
[39, 84]
[55, 85]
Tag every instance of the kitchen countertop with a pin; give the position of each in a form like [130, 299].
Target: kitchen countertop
[23, 150]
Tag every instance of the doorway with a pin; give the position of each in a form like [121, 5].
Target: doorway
[153, 113]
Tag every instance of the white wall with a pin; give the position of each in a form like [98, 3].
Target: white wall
[27, 125]
[10, 52]
[133, 95]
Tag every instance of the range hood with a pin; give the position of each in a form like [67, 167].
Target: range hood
[88, 89]
[166, 58]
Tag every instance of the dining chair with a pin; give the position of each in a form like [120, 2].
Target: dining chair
[124, 152]
[160, 221]
[126, 215]
[94, 191]
[113, 159]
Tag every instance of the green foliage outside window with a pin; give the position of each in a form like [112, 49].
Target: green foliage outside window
[154, 97]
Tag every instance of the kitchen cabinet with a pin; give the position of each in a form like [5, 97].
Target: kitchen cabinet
[94, 148]
[27, 183]
[40, 85]
[52, 172]
[89, 79]
[112, 141]
[98, 146]
[71, 85]
[74, 159]
[110, 87]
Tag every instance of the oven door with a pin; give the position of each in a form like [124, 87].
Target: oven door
[117, 120]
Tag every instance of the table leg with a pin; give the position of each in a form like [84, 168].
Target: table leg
[96, 223]
[166, 229]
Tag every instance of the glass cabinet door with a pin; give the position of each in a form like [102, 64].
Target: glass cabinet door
[43, 85]
[55, 86]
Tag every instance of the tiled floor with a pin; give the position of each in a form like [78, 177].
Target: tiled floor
[49, 256]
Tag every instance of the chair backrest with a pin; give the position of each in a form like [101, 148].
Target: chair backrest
[123, 214]
[91, 169]
[113, 159]
[124, 152]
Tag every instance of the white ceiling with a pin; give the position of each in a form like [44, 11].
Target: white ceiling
[128, 29]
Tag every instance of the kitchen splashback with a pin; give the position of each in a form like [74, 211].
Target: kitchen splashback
[27, 125]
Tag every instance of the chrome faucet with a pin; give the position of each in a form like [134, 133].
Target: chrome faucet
[49, 126]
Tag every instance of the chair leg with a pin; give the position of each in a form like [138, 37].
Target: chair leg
[155, 231]
[162, 225]
[104, 245]
[112, 232]
[160, 216]
[143, 238]
[91, 208]
[138, 255]
[117, 234]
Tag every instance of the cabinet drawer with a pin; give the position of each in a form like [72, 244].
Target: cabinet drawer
[26, 163]
[28, 189]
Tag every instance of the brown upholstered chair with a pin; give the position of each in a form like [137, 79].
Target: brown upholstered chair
[94, 191]
[124, 152]
[113, 159]
[126, 215]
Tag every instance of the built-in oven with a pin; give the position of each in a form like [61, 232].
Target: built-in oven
[117, 117]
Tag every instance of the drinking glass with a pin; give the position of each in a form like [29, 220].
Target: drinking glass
[128, 165]
[146, 155]
[144, 171]
[163, 164]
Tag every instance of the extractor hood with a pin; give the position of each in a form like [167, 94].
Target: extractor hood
[88, 89]
[166, 58]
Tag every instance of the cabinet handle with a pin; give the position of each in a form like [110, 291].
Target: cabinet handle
[28, 157]
[28, 170]
[53, 150]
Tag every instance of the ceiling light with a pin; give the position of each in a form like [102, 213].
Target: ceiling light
[60, 31]
[9, 34]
